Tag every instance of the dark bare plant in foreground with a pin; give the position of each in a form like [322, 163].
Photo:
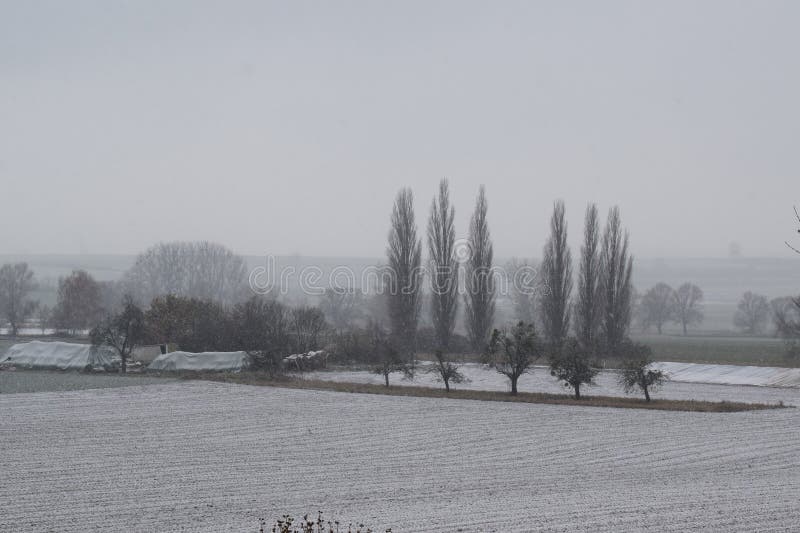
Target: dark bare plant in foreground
[287, 524]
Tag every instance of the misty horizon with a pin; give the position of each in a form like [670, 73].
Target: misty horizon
[273, 128]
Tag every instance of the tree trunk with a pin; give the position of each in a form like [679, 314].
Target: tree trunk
[646, 394]
[514, 385]
[386, 377]
[124, 367]
[684, 328]
[577, 391]
[447, 385]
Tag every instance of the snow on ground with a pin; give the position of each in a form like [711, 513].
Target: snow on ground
[764, 376]
[213, 457]
[43, 381]
[539, 380]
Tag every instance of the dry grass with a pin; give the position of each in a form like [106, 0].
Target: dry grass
[252, 378]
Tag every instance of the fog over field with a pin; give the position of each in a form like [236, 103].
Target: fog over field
[421, 266]
[287, 128]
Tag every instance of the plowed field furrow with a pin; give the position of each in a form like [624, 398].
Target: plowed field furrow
[197, 456]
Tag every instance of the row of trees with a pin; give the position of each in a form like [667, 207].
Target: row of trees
[600, 314]
[404, 284]
[576, 330]
[514, 350]
[200, 270]
[601, 308]
[81, 300]
[661, 304]
[264, 328]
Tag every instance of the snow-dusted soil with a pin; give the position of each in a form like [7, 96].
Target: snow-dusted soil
[212, 457]
[49, 381]
[539, 380]
[762, 376]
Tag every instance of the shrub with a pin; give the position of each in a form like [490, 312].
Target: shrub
[512, 351]
[572, 365]
[635, 372]
[445, 371]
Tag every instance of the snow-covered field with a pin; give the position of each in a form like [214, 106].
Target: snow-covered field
[539, 380]
[202, 456]
[51, 381]
[762, 376]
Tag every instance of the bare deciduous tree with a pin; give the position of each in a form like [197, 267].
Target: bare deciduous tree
[687, 305]
[617, 269]
[657, 307]
[444, 266]
[112, 296]
[479, 283]
[445, 371]
[202, 270]
[786, 317]
[752, 313]
[169, 318]
[405, 274]
[636, 372]
[588, 304]
[16, 284]
[262, 330]
[387, 358]
[79, 302]
[513, 351]
[122, 331]
[308, 326]
[342, 306]
[557, 281]
[45, 316]
[572, 365]
[797, 216]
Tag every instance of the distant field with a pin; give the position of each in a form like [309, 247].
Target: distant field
[713, 349]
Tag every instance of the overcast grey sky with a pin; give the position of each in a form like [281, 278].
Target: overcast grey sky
[288, 128]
